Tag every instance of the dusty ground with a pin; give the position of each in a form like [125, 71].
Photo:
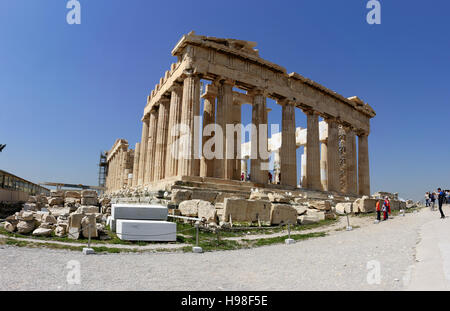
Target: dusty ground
[340, 261]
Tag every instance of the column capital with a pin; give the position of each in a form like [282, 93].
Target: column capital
[285, 102]
[176, 86]
[258, 91]
[226, 81]
[210, 92]
[310, 111]
[362, 133]
[191, 72]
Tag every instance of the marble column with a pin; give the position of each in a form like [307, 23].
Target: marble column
[363, 164]
[324, 165]
[350, 160]
[151, 146]
[237, 139]
[136, 164]
[313, 152]
[190, 109]
[288, 154]
[303, 168]
[209, 117]
[172, 139]
[223, 168]
[258, 117]
[144, 140]
[333, 156]
[161, 139]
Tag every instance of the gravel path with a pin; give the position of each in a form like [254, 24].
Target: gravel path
[336, 262]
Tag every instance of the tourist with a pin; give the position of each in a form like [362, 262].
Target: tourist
[427, 199]
[441, 199]
[242, 176]
[386, 208]
[378, 211]
[433, 200]
[270, 177]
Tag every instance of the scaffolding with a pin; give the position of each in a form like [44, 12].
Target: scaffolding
[102, 169]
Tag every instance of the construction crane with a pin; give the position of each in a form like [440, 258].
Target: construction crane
[2, 147]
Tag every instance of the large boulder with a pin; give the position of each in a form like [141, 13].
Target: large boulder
[308, 219]
[316, 213]
[207, 211]
[88, 225]
[105, 201]
[283, 214]
[89, 200]
[301, 209]
[26, 216]
[42, 232]
[75, 225]
[48, 219]
[57, 194]
[25, 227]
[10, 227]
[56, 201]
[189, 208]
[180, 195]
[246, 210]
[343, 208]
[60, 230]
[31, 207]
[364, 205]
[209, 196]
[321, 205]
[87, 210]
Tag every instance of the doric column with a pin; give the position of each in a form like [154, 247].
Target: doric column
[172, 139]
[161, 139]
[237, 139]
[288, 152]
[136, 164]
[324, 165]
[258, 117]
[144, 140]
[190, 109]
[333, 156]
[313, 152]
[224, 167]
[303, 168]
[276, 166]
[209, 117]
[350, 160]
[363, 164]
[151, 146]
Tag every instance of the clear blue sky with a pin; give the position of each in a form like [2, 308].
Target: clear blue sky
[69, 91]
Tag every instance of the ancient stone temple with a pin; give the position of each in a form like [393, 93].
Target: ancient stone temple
[225, 74]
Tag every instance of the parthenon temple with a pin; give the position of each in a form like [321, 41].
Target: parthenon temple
[226, 74]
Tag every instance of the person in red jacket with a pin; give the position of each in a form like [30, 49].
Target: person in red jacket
[386, 208]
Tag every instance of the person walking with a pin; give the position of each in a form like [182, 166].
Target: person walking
[378, 211]
[427, 199]
[441, 199]
[433, 200]
[386, 208]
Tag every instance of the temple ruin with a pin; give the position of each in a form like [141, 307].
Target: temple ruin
[234, 74]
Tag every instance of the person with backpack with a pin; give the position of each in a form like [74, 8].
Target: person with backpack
[441, 199]
[378, 211]
[433, 200]
[427, 199]
[386, 208]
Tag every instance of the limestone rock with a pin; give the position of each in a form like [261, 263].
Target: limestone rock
[56, 201]
[30, 207]
[258, 195]
[89, 201]
[180, 195]
[308, 219]
[10, 227]
[48, 219]
[316, 213]
[88, 223]
[104, 201]
[283, 214]
[60, 231]
[26, 216]
[57, 194]
[87, 210]
[278, 198]
[189, 208]
[342, 208]
[301, 210]
[209, 196]
[207, 211]
[246, 210]
[73, 195]
[24, 227]
[364, 205]
[42, 232]
[321, 205]
[89, 194]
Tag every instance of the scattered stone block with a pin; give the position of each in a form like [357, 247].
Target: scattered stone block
[259, 195]
[139, 212]
[283, 214]
[56, 201]
[301, 210]
[89, 194]
[87, 210]
[278, 198]
[88, 225]
[207, 211]
[42, 232]
[209, 196]
[180, 195]
[342, 208]
[25, 227]
[146, 230]
[246, 210]
[89, 201]
[73, 195]
[321, 205]
[10, 227]
[308, 219]
[364, 205]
